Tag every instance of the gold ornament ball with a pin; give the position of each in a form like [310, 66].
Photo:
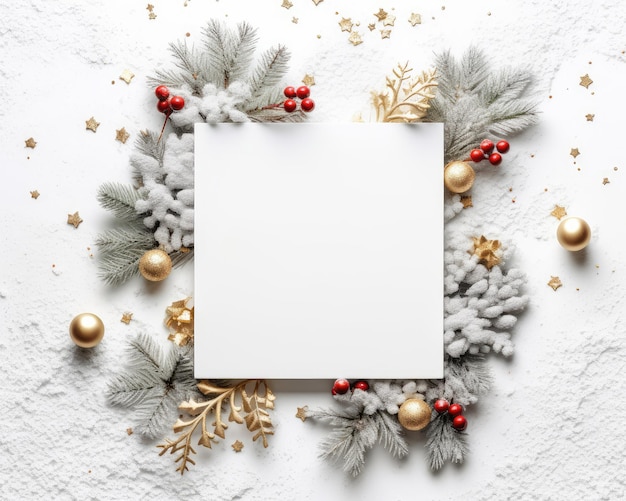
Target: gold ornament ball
[458, 176]
[573, 234]
[414, 414]
[155, 265]
[86, 330]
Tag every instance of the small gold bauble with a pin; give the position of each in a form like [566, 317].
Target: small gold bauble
[458, 176]
[155, 265]
[86, 330]
[414, 414]
[573, 234]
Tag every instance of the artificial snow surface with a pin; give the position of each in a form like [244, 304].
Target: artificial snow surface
[552, 426]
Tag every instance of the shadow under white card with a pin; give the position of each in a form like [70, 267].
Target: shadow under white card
[318, 251]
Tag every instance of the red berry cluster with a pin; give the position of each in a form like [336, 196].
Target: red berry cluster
[459, 422]
[166, 103]
[342, 386]
[302, 93]
[486, 151]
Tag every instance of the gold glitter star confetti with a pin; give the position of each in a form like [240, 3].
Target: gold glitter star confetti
[486, 251]
[121, 135]
[129, 431]
[585, 81]
[346, 24]
[287, 4]
[91, 124]
[385, 33]
[127, 316]
[237, 446]
[606, 180]
[34, 194]
[466, 200]
[415, 19]
[381, 14]
[308, 80]
[574, 152]
[555, 283]
[371, 26]
[589, 117]
[317, 2]
[150, 7]
[355, 38]
[389, 20]
[294, 20]
[152, 16]
[74, 219]
[558, 212]
[180, 322]
[30, 143]
[301, 414]
[127, 76]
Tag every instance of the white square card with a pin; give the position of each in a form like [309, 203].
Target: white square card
[318, 251]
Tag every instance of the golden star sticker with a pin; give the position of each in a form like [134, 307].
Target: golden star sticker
[606, 180]
[589, 117]
[574, 152]
[287, 4]
[237, 446]
[30, 143]
[355, 38]
[385, 33]
[34, 194]
[466, 200]
[127, 76]
[486, 251]
[585, 81]
[558, 212]
[74, 219]
[317, 2]
[301, 414]
[381, 14]
[555, 282]
[91, 124]
[415, 19]
[308, 80]
[127, 316]
[371, 26]
[389, 20]
[346, 24]
[121, 135]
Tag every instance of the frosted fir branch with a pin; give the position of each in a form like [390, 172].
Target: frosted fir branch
[445, 444]
[465, 380]
[120, 252]
[269, 71]
[120, 199]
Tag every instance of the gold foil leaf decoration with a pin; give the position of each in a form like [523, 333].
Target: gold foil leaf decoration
[180, 322]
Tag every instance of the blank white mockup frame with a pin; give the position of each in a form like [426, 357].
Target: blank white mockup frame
[318, 251]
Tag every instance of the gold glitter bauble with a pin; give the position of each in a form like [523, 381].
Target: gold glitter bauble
[573, 233]
[414, 414]
[86, 330]
[155, 265]
[458, 176]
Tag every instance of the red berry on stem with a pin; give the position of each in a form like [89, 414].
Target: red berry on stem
[459, 423]
[477, 155]
[290, 92]
[455, 409]
[502, 146]
[487, 146]
[164, 107]
[307, 104]
[441, 405]
[361, 385]
[495, 159]
[303, 91]
[177, 103]
[289, 105]
[341, 386]
[162, 92]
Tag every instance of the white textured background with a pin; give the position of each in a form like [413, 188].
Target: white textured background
[553, 425]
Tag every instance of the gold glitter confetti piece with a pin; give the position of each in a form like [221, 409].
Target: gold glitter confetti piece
[127, 76]
[34, 194]
[381, 14]
[237, 446]
[74, 219]
[127, 316]
[389, 20]
[91, 124]
[317, 2]
[385, 33]
[301, 414]
[355, 38]
[589, 117]
[121, 135]
[30, 143]
[486, 251]
[555, 283]
[558, 212]
[287, 4]
[371, 26]
[294, 20]
[346, 24]
[466, 200]
[152, 16]
[308, 80]
[415, 19]
[585, 81]
[150, 7]
[574, 152]
[606, 180]
[129, 431]
[180, 322]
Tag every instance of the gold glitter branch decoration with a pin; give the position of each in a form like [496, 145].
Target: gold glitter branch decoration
[406, 99]
[255, 415]
[179, 321]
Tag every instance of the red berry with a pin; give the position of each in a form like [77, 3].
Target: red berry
[459, 423]
[307, 104]
[502, 146]
[177, 103]
[303, 91]
[333, 391]
[495, 159]
[441, 405]
[455, 409]
[164, 107]
[290, 92]
[477, 155]
[361, 385]
[289, 105]
[162, 92]
[487, 146]
[341, 386]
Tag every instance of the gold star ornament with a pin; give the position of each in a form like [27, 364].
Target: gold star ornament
[74, 219]
[585, 81]
[555, 283]
[606, 180]
[574, 152]
[389, 20]
[487, 251]
[127, 76]
[381, 14]
[301, 414]
[237, 446]
[180, 322]
[558, 212]
[385, 33]
[34, 194]
[415, 19]
[287, 4]
[355, 38]
[127, 316]
[121, 135]
[466, 200]
[308, 80]
[91, 124]
[346, 24]
[589, 117]
[30, 143]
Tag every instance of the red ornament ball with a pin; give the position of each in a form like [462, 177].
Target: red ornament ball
[459, 423]
[441, 405]
[290, 92]
[303, 91]
[502, 146]
[162, 92]
[455, 409]
[177, 103]
[361, 385]
[307, 104]
[487, 146]
[290, 105]
[164, 107]
[477, 155]
[341, 386]
[495, 159]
